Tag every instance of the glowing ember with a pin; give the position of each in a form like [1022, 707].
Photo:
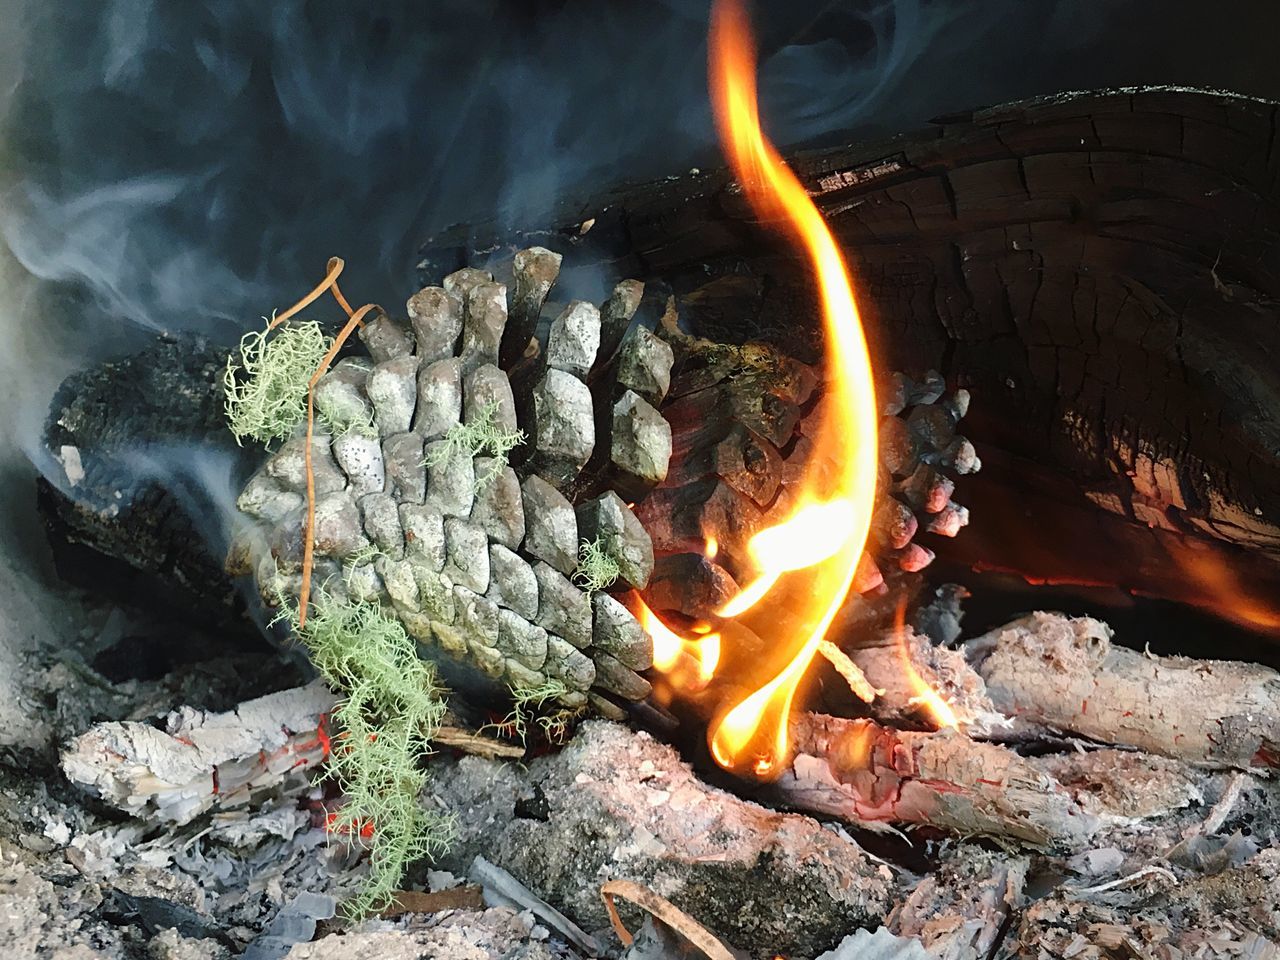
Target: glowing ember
[1226, 592]
[826, 533]
[688, 663]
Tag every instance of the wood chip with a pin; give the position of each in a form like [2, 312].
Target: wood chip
[852, 673]
[467, 897]
[478, 745]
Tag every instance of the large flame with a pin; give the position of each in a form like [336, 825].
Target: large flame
[825, 535]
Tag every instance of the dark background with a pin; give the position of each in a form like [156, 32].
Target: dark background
[195, 163]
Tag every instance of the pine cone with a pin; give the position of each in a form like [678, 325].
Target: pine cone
[742, 419]
[479, 556]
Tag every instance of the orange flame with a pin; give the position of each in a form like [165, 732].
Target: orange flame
[922, 692]
[688, 663]
[1225, 592]
[826, 533]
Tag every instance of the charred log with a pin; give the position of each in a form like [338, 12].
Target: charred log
[1103, 264]
[139, 449]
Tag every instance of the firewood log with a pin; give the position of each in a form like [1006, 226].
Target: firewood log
[877, 777]
[1065, 674]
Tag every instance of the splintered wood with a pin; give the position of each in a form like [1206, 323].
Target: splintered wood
[206, 761]
[1067, 675]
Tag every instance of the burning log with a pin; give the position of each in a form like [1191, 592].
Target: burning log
[1046, 676]
[968, 243]
[876, 776]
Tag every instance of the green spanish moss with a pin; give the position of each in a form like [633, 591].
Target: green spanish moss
[391, 707]
[266, 390]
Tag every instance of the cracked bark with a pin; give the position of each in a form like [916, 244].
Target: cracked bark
[875, 776]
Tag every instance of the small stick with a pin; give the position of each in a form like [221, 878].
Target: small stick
[1121, 881]
[476, 744]
[309, 542]
[852, 673]
[1220, 810]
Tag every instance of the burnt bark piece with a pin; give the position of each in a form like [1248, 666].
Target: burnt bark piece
[765, 881]
[123, 497]
[961, 910]
[1105, 264]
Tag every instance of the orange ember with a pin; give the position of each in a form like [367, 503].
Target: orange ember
[1225, 592]
[689, 663]
[823, 538]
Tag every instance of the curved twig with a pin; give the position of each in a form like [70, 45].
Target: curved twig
[330, 282]
[309, 541]
[664, 910]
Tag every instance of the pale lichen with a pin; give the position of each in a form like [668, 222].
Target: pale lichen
[382, 728]
[483, 436]
[597, 569]
[345, 418]
[266, 389]
[527, 706]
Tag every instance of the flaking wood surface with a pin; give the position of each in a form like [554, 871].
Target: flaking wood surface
[1101, 270]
